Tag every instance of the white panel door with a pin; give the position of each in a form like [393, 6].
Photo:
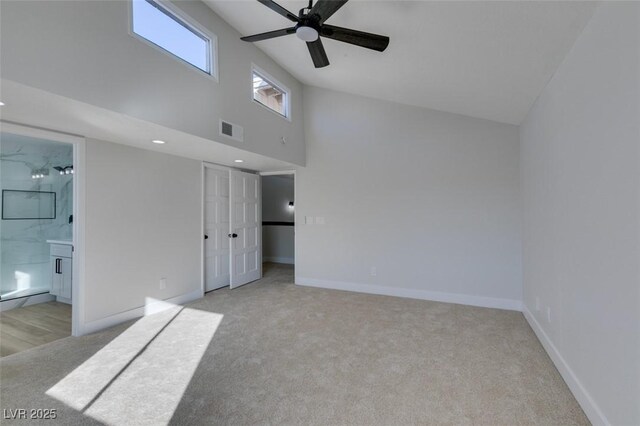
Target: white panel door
[216, 228]
[246, 228]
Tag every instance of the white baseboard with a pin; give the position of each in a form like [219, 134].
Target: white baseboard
[591, 409]
[64, 300]
[462, 299]
[6, 305]
[287, 260]
[150, 308]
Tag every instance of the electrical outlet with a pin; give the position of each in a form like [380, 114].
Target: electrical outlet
[549, 314]
[537, 304]
[163, 283]
[374, 271]
[309, 220]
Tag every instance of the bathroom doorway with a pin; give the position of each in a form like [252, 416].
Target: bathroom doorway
[37, 237]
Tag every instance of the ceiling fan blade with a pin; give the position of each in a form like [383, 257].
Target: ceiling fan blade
[326, 8]
[268, 35]
[359, 38]
[280, 10]
[319, 56]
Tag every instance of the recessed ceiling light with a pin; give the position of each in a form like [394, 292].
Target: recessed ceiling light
[158, 141]
[1, 103]
[238, 161]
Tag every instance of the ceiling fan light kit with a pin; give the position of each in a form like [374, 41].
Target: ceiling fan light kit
[307, 34]
[310, 27]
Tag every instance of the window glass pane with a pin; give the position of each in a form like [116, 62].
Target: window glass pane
[269, 95]
[157, 25]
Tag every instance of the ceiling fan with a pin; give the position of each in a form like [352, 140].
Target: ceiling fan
[309, 26]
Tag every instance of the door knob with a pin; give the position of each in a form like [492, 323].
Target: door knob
[206, 237]
[233, 235]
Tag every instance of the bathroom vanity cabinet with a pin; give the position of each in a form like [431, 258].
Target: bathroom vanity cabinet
[61, 259]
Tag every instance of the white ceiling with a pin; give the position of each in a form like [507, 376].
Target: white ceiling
[484, 59]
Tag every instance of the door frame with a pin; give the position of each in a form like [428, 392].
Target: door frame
[295, 221]
[79, 211]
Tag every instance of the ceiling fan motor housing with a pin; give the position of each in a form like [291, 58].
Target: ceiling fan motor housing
[308, 29]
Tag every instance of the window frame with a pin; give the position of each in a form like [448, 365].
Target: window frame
[275, 83]
[192, 25]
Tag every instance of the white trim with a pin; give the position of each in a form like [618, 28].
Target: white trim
[151, 308]
[64, 300]
[217, 166]
[286, 260]
[591, 409]
[203, 196]
[259, 221]
[436, 296]
[194, 26]
[79, 217]
[275, 83]
[39, 133]
[7, 305]
[283, 172]
[79, 212]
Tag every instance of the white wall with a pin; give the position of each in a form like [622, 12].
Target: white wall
[143, 222]
[430, 199]
[581, 191]
[83, 50]
[277, 240]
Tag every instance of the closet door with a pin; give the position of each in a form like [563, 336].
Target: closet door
[246, 228]
[216, 228]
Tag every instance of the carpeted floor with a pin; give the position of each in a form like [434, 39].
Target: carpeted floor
[275, 353]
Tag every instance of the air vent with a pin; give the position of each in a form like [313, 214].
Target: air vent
[227, 128]
[231, 130]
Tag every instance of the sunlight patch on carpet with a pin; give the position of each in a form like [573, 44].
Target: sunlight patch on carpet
[140, 376]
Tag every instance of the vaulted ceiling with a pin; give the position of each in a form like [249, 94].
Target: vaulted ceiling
[485, 59]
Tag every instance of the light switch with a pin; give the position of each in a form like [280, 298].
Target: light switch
[308, 220]
[319, 220]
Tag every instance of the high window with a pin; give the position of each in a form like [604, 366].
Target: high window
[270, 94]
[162, 26]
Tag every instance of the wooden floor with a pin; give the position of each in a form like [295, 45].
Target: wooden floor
[34, 325]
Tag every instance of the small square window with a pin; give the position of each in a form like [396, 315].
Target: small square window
[270, 94]
[162, 27]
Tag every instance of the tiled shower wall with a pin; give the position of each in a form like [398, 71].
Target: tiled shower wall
[25, 252]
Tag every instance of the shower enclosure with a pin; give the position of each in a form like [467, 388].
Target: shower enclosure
[36, 178]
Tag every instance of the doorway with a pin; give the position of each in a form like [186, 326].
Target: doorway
[278, 220]
[232, 227]
[39, 236]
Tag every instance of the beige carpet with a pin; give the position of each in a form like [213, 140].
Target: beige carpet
[275, 353]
